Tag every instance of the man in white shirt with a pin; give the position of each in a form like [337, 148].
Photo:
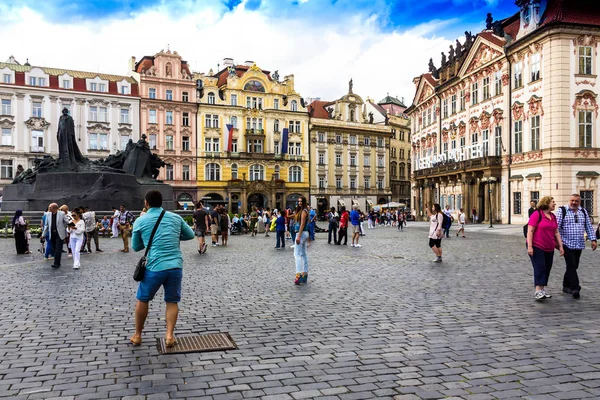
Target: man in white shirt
[91, 231]
[115, 224]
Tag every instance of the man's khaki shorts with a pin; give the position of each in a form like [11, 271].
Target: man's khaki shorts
[214, 229]
[355, 229]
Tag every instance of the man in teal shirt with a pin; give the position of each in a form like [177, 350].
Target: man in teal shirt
[164, 266]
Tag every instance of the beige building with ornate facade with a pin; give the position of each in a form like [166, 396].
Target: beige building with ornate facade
[349, 153]
[168, 119]
[257, 170]
[512, 115]
[104, 107]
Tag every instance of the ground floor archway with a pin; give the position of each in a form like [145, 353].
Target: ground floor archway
[185, 201]
[212, 199]
[291, 201]
[257, 200]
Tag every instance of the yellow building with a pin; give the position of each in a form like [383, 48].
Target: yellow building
[350, 155]
[257, 170]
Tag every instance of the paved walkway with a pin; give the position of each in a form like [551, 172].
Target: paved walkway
[380, 321]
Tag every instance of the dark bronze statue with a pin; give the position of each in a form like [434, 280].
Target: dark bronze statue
[458, 49]
[69, 155]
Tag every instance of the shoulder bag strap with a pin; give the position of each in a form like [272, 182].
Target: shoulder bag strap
[153, 232]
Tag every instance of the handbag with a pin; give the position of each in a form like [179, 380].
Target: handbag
[140, 268]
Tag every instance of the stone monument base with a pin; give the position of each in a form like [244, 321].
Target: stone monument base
[98, 190]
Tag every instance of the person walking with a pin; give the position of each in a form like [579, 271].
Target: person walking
[224, 225]
[91, 230]
[461, 222]
[76, 229]
[400, 220]
[126, 219]
[18, 224]
[267, 220]
[573, 221]
[451, 218]
[164, 266]
[312, 220]
[214, 225]
[436, 220]
[115, 222]
[254, 222]
[280, 229]
[201, 223]
[355, 222]
[542, 239]
[343, 232]
[333, 219]
[531, 208]
[302, 238]
[56, 227]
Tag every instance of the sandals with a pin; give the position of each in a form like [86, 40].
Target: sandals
[134, 341]
[170, 342]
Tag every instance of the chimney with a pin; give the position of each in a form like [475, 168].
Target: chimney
[227, 62]
[249, 63]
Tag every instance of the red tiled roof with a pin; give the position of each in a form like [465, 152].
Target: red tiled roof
[239, 71]
[490, 37]
[429, 78]
[317, 109]
[144, 64]
[581, 12]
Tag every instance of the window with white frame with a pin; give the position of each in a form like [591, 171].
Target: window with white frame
[151, 116]
[276, 104]
[211, 121]
[103, 114]
[93, 87]
[233, 100]
[352, 182]
[152, 141]
[124, 89]
[185, 119]
[338, 159]
[367, 182]
[66, 84]
[462, 100]
[485, 142]
[321, 137]
[497, 83]
[535, 132]
[6, 107]
[254, 145]
[185, 173]
[463, 141]
[151, 93]
[498, 141]
[338, 182]
[276, 171]
[102, 87]
[276, 147]
[169, 118]
[379, 142]
[535, 66]
[254, 102]
[585, 60]
[257, 172]
[170, 174]
[211, 145]
[276, 125]
[322, 183]
[353, 160]
[380, 183]
[338, 139]
[124, 116]
[234, 171]
[367, 160]
[402, 169]
[380, 161]
[367, 141]
[518, 136]
[7, 78]
[321, 158]
[169, 95]
[429, 116]
[7, 137]
[445, 108]
[233, 121]
[295, 174]
[254, 123]
[486, 87]
[169, 142]
[124, 141]
[185, 97]
[294, 126]
[474, 138]
[585, 128]
[295, 149]
[452, 109]
[294, 105]
[6, 169]
[474, 93]
[234, 145]
[518, 74]
[98, 141]
[211, 98]
[185, 143]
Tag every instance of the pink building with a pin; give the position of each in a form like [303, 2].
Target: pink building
[168, 118]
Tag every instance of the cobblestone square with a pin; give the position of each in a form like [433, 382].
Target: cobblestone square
[381, 321]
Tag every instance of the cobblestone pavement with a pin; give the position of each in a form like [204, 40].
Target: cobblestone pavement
[381, 321]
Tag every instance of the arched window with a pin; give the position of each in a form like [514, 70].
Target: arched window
[233, 121]
[211, 98]
[234, 171]
[257, 173]
[294, 105]
[168, 69]
[212, 172]
[276, 125]
[276, 173]
[295, 174]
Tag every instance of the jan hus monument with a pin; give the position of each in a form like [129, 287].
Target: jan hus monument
[72, 179]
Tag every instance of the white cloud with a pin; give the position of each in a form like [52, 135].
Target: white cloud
[323, 55]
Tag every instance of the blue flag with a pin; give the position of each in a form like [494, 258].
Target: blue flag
[284, 141]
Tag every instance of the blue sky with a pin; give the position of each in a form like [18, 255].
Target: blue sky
[323, 43]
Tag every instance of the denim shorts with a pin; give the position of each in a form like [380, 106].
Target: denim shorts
[169, 279]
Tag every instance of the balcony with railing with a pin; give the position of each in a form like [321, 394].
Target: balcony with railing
[37, 149]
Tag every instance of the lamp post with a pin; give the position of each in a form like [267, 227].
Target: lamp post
[490, 180]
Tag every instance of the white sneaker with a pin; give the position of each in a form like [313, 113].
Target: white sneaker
[546, 294]
[539, 295]
[352, 245]
[358, 245]
[75, 266]
[292, 246]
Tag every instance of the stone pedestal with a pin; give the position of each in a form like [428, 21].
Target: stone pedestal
[98, 190]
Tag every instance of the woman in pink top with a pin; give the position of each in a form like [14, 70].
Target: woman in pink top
[542, 239]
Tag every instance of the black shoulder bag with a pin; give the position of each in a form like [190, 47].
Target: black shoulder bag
[140, 268]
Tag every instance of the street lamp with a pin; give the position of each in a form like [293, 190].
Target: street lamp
[490, 180]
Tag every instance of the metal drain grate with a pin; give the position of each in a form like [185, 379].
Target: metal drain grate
[197, 344]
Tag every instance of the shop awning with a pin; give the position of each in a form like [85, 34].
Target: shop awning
[370, 203]
[190, 204]
[355, 202]
[341, 203]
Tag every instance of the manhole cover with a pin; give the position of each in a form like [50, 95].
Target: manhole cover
[197, 344]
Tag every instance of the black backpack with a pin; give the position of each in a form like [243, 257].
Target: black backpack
[525, 227]
[447, 223]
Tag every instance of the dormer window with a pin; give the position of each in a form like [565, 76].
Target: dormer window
[211, 98]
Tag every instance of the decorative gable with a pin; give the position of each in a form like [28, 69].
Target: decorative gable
[481, 54]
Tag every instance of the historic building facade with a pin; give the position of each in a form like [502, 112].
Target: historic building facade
[349, 153]
[105, 109]
[168, 119]
[511, 115]
[257, 168]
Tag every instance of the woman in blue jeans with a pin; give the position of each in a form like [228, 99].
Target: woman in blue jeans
[302, 239]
